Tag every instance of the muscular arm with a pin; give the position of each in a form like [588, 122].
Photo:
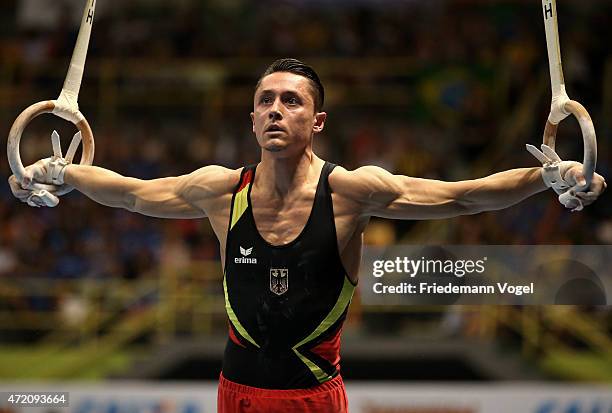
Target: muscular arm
[380, 193]
[173, 197]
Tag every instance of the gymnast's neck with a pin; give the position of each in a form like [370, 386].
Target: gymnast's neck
[279, 175]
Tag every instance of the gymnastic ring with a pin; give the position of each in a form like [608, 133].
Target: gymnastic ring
[589, 162]
[48, 106]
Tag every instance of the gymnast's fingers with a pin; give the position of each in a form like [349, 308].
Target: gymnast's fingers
[587, 198]
[17, 190]
[598, 184]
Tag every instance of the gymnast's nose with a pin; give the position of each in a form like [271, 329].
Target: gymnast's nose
[275, 111]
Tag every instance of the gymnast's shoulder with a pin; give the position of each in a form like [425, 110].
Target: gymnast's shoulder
[359, 182]
[209, 181]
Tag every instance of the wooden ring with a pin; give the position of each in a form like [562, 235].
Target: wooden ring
[14, 139]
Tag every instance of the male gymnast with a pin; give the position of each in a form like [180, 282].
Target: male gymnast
[290, 231]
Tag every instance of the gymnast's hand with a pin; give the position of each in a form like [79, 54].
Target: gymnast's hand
[567, 179]
[573, 176]
[48, 171]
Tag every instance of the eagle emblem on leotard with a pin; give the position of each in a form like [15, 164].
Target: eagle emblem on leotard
[279, 280]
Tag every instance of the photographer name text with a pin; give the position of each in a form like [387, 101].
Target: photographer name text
[450, 288]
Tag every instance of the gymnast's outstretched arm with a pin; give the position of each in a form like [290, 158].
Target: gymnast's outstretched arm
[183, 196]
[380, 193]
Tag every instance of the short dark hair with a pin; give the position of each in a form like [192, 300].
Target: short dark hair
[302, 69]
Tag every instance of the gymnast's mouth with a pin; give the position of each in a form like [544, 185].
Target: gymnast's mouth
[275, 128]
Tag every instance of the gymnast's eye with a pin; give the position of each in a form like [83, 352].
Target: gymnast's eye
[292, 100]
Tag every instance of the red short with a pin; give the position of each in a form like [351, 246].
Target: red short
[329, 397]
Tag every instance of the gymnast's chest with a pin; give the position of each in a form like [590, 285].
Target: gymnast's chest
[280, 223]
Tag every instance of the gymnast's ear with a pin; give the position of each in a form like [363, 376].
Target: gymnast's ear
[319, 122]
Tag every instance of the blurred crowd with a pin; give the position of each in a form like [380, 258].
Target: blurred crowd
[453, 124]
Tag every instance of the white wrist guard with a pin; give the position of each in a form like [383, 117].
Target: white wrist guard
[551, 175]
[56, 170]
[553, 171]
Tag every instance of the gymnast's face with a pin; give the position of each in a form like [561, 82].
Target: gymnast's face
[284, 116]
